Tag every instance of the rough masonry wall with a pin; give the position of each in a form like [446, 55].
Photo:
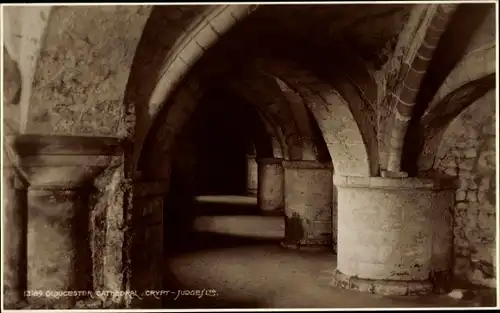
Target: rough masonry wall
[468, 151]
[107, 221]
[97, 227]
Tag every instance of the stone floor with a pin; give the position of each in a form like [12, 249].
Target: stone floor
[237, 258]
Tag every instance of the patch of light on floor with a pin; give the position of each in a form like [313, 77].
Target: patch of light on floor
[272, 227]
[227, 199]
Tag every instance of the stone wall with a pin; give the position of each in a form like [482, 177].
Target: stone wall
[107, 222]
[468, 151]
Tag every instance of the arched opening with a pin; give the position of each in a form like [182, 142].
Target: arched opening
[221, 117]
[212, 226]
[222, 135]
[210, 170]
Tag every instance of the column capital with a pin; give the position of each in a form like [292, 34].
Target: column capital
[428, 183]
[61, 162]
[306, 164]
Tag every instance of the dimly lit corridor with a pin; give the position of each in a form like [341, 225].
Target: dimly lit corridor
[221, 132]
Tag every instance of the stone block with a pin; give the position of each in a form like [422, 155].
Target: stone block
[223, 21]
[191, 52]
[361, 285]
[391, 288]
[470, 153]
[206, 37]
[461, 195]
[419, 288]
[471, 196]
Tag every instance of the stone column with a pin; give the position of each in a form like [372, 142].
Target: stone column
[14, 232]
[308, 205]
[252, 175]
[60, 170]
[271, 185]
[394, 234]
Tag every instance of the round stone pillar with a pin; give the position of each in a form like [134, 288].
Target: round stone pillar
[14, 230]
[308, 204]
[394, 234]
[59, 170]
[271, 182]
[252, 175]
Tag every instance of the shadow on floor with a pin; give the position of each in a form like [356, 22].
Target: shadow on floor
[228, 208]
[197, 296]
[257, 273]
[199, 241]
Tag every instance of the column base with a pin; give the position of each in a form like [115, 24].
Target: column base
[382, 287]
[442, 281]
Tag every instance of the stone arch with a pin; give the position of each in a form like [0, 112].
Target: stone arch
[278, 143]
[314, 147]
[263, 91]
[60, 52]
[436, 122]
[194, 38]
[255, 129]
[473, 77]
[343, 137]
[475, 65]
[353, 81]
[414, 52]
[262, 138]
[176, 113]
[455, 129]
[23, 38]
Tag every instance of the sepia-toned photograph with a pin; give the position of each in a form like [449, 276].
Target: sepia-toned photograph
[249, 155]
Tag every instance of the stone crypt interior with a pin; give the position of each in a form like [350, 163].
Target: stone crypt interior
[267, 156]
